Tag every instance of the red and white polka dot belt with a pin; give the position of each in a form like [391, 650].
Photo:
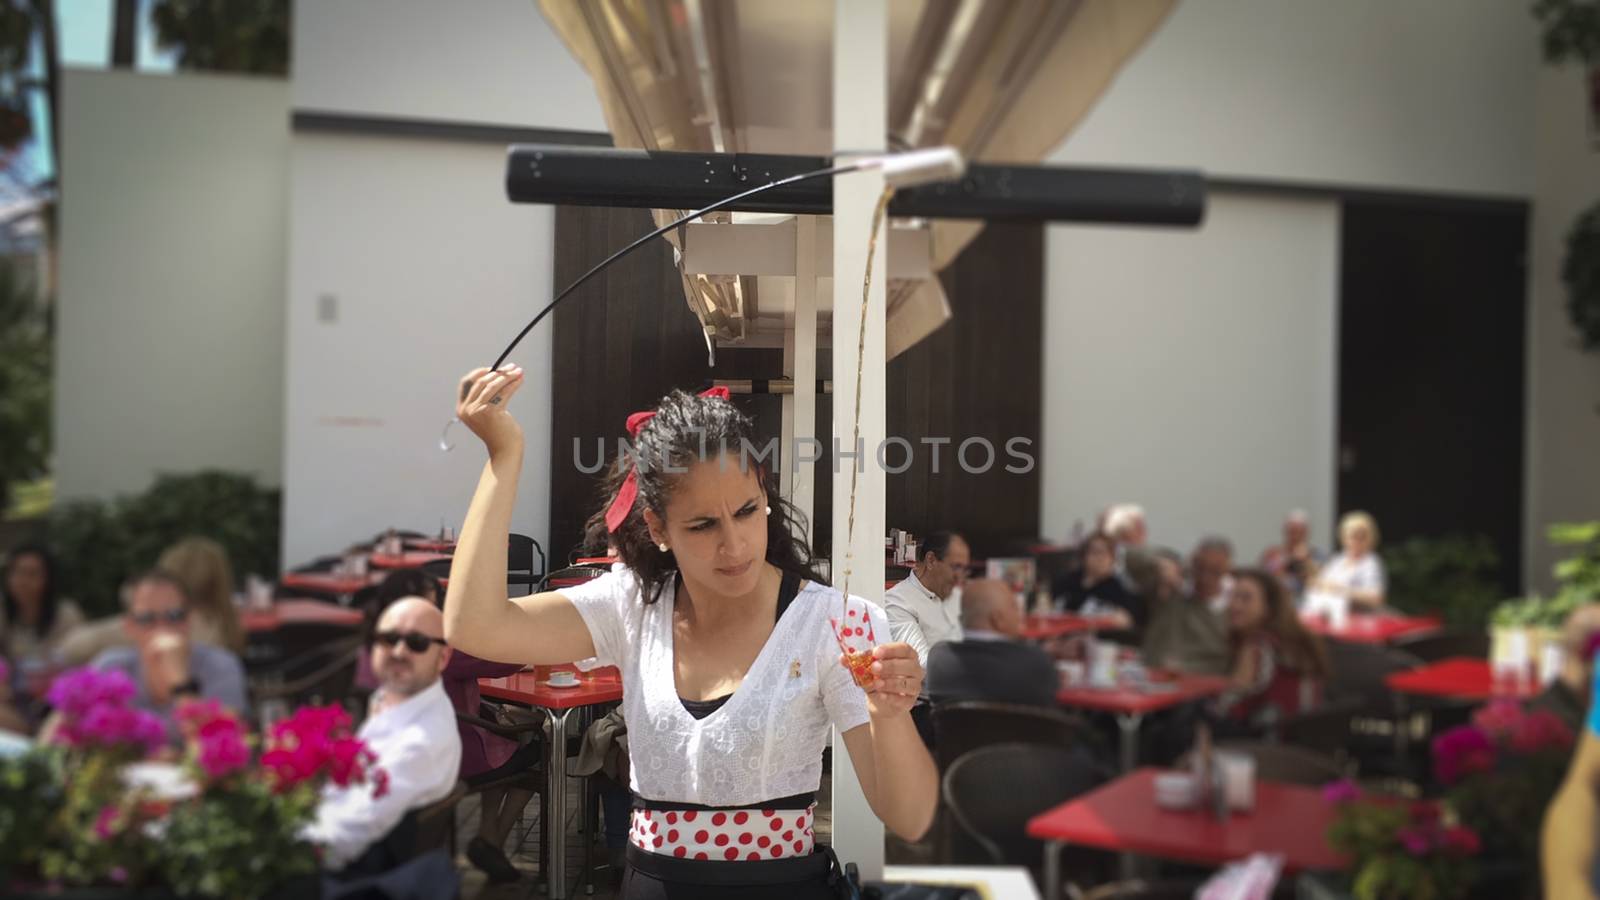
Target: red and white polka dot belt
[724, 834]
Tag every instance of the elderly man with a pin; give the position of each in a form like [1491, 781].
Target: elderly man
[410, 726]
[1295, 560]
[1190, 634]
[989, 662]
[162, 660]
[923, 609]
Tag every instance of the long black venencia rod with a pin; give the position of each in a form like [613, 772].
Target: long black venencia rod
[604, 176]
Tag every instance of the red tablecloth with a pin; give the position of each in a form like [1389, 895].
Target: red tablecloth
[404, 560]
[1123, 816]
[294, 612]
[1053, 625]
[1134, 701]
[1372, 629]
[1461, 679]
[329, 582]
[431, 546]
[597, 686]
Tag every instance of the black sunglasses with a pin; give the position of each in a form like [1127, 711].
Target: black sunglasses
[416, 641]
[147, 619]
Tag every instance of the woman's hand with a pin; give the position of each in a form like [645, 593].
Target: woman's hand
[897, 681]
[482, 405]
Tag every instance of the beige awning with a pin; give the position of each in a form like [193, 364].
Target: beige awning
[1003, 80]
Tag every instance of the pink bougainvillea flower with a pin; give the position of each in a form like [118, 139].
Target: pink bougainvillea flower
[1341, 792]
[1460, 752]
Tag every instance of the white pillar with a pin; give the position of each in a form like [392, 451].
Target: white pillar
[860, 50]
[802, 347]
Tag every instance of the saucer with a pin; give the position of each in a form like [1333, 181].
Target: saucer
[562, 684]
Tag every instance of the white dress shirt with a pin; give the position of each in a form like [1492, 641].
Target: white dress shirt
[417, 744]
[918, 617]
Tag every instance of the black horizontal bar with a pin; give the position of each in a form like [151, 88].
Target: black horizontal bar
[597, 176]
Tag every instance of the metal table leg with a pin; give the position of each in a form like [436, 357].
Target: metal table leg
[1052, 870]
[556, 826]
[1128, 726]
[1128, 734]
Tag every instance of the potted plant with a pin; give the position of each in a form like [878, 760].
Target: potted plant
[1499, 773]
[81, 816]
[1400, 848]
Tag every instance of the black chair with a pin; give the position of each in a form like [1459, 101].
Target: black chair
[960, 728]
[323, 674]
[519, 562]
[532, 778]
[570, 575]
[1441, 645]
[1327, 729]
[992, 792]
[321, 564]
[1287, 764]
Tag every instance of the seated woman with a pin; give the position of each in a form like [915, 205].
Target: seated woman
[1278, 666]
[34, 618]
[1355, 577]
[1097, 588]
[729, 646]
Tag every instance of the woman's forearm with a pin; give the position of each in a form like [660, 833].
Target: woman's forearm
[1567, 848]
[477, 606]
[906, 782]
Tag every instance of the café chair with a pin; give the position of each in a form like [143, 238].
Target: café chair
[993, 791]
[1289, 765]
[1447, 644]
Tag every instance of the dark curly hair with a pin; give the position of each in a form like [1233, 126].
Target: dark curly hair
[687, 429]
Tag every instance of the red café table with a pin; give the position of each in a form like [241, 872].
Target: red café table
[408, 560]
[1459, 678]
[1054, 625]
[430, 545]
[336, 583]
[1123, 816]
[531, 688]
[298, 611]
[1130, 704]
[1372, 628]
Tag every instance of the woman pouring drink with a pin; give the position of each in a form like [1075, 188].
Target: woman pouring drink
[732, 652]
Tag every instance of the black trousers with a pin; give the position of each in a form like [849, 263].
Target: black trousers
[651, 876]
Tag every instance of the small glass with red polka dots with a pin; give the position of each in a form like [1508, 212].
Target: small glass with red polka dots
[857, 659]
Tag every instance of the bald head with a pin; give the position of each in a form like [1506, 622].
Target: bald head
[408, 651]
[988, 604]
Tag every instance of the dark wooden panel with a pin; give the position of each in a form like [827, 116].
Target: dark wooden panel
[1431, 375]
[977, 377]
[627, 338]
[619, 343]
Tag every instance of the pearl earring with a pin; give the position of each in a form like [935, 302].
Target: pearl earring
[769, 510]
[663, 547]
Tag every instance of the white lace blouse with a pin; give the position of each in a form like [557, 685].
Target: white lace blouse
[766, 741]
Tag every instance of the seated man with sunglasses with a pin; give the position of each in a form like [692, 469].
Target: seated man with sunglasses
[411, 727]
[162, 659]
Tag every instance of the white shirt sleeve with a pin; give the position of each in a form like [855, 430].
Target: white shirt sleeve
[602, 603]
[905, 627]
[844, 700]
[349, 820]
[1371, 576]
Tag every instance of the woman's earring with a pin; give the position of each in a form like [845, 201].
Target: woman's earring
[769, 510]
[663, 547]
